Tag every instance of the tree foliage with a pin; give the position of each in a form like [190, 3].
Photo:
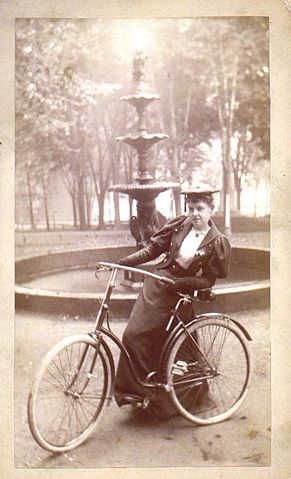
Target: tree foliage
[211, 75]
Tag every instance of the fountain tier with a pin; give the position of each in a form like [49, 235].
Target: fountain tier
[145, 190]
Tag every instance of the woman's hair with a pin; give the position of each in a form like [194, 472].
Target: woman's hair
[208, 199]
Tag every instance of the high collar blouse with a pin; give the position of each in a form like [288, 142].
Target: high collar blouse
[189, 246]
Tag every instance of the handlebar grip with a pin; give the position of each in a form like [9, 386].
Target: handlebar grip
[206, 295]
[212, 296]
[102, 267]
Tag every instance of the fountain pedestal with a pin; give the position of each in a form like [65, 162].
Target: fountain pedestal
[145, 189]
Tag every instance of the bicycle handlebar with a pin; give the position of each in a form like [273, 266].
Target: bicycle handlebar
[203, 295]
[110, 266]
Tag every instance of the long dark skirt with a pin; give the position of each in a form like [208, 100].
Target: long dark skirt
[144, 338]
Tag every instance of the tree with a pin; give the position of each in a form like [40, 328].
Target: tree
[230, 58]
[211, 75]
[58, 112]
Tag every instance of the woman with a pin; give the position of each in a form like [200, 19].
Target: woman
[196, 254]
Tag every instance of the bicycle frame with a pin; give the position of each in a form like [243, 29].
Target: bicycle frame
[100, 330]
[111, 285]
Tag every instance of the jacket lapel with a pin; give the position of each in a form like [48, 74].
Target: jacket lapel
[183, 230]
[210, 236]
[181, 233]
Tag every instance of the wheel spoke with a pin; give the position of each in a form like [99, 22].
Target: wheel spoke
[216, 356]
[69, 394]
[58, 384]
[57, 429]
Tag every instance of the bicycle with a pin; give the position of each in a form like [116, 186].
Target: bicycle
[75, 378]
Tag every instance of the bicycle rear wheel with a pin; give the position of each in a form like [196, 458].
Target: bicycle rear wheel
[68, 393]
[208, 371]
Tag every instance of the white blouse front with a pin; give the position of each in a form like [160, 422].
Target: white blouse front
[189, 246]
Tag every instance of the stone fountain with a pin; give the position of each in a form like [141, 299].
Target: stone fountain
[48, 282]
[145, 189]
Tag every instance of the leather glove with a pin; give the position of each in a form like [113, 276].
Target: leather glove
[189, 284]
[144, 255]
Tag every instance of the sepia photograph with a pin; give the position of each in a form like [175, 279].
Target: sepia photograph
[142, 242]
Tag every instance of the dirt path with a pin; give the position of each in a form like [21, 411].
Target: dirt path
[128, 439]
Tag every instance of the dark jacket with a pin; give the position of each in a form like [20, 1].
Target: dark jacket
[211, 260]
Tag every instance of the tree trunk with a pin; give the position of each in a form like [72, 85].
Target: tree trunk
[75, 216]
[226, 200]
[188, 102]
[257, 183]
[115, 196]
[238, 199]
[177, 201]
[72, 189]
[88, 209]
[227, 176]
[32, 224]
[238, 189]
[174, 153]
[81, 203]
[88, 201]
[45, 202]
[226, 84]
[101, 199]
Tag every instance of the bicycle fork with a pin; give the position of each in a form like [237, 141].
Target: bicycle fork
[90, 374]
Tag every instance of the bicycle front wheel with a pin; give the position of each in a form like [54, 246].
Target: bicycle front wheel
[208, 371]
[68, 393]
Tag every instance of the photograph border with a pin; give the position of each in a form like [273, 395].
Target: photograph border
[279, 13]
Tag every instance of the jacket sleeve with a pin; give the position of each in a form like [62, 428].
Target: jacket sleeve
[147, 253]
[219, 263]
[216, 267]
[158, 244]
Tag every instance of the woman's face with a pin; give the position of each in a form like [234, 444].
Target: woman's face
[199, 213]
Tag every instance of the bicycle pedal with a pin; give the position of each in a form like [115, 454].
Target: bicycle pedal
[142, 405]
[178, 372]
[180, 368]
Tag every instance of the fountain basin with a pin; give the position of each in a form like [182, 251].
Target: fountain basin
[140, 99]
[142, 141]
[64, 282]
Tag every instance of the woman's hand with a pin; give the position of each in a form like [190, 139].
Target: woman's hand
[168, 281]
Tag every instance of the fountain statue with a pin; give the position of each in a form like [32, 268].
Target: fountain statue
[145, 189]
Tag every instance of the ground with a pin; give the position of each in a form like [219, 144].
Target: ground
[126, 439]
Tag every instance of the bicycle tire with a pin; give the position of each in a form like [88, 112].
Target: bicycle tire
[207, 390]
[64, 405]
